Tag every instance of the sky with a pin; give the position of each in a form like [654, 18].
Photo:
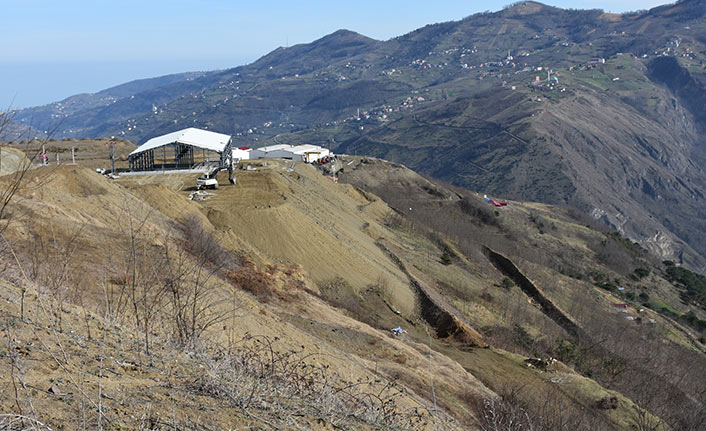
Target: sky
[52, 49]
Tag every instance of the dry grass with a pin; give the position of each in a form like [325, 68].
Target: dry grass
[255, 376]
[280, 235]
[72, 198]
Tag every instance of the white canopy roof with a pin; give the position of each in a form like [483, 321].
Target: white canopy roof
[273, 148]
[195, 137]
[308, 148]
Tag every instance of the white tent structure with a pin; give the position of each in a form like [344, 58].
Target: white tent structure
[177, 150]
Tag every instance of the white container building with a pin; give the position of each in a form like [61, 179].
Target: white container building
[241, 153]
[300, 153]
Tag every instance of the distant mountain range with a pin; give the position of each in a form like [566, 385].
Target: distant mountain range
[600, 111]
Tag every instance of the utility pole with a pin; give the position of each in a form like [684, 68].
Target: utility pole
[112, 157]
[73, 155]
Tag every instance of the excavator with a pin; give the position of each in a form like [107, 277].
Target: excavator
[209, 181]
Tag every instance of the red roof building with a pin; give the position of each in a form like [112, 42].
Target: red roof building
[621, 308]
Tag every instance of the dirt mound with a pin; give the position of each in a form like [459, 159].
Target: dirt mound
[301, 217]
[12, 160]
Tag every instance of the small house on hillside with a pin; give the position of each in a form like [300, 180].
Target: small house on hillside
[310, 153]
[621, 308]
[183, 149]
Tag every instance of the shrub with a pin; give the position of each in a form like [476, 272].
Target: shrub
[258, 283]
[486, 296]
[515, 410]
[609, 402]
[694, 321]
[642, 273]
[393, 220]
[633, 248]
[607, 285]
[566, 351]
[612, 254]
[258, 375]
[446, 258]
[202, 244]
[481, 214]
[694, 283]
[506, 283]
[521, 337]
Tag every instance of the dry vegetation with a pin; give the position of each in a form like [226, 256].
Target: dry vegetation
[137, 289]
[568, 255]
[127, 306]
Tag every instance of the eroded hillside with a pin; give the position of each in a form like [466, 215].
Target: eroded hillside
[270, 304]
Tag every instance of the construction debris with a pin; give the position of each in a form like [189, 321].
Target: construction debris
[200, 195]
[398, 331]
[539, 363]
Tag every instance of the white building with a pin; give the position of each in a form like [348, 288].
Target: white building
[310, 153]
[301, 153]
[263, 152]
[241, 153]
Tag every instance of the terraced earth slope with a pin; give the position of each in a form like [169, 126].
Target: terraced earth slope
[269, 304]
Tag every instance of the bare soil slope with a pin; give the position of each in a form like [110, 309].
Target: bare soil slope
[300, 275]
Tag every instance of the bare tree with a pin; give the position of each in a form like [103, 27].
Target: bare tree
[504, 413]
[52, 266]
[198, 299]
[138, 284]
[643, 420]
[11, 185]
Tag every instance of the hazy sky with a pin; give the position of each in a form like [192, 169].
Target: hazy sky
[52, 49]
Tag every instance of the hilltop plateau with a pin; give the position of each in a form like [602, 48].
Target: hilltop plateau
[270, 304]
